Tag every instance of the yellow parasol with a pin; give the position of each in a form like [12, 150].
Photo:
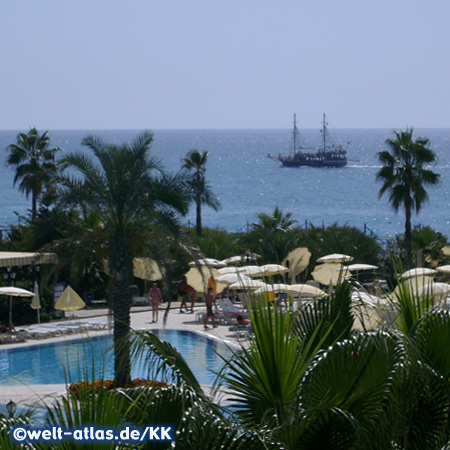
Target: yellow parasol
[69, 301]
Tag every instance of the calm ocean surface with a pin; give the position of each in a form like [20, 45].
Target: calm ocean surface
[248, 183]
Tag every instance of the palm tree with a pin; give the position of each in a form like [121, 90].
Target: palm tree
[404, 176]
[273, 236]
[129, 192]
[200, 190]
[277, 221]
[35, 164]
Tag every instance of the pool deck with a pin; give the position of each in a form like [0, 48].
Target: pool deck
[141, 319]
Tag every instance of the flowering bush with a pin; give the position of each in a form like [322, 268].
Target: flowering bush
[88, 386]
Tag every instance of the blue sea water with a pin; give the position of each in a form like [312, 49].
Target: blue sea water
[248, 183]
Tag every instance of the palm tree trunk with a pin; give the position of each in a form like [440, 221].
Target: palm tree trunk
[408, 236]
[199, 215]
[120, 264]
[122, 303]
[33, 204]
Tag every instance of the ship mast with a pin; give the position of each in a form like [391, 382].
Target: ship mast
[324, 131]
[295, 133]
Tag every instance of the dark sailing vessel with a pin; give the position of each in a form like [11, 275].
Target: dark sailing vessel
[327, 155]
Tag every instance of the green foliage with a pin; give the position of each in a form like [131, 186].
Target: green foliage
[129, 194]
[326, 320]
[432, 337]
[216, 243]
[410, 307]
[272, 237]
[344, 393]
[404, 176]
[34, 162]
[198, 188]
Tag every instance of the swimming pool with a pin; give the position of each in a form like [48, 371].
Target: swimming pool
[60, 362]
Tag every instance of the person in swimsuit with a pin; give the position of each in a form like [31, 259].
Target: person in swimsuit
[156, 298]
[210, 301]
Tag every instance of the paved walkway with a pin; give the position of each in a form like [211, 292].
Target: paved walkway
[140, 320]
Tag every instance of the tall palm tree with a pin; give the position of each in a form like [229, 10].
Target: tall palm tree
[202, 193]
[128, 190]
[405, 177]
[35, 164]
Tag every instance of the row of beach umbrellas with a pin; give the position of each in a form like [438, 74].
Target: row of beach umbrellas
[68, 301]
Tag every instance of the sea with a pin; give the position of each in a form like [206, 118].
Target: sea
[248, 183]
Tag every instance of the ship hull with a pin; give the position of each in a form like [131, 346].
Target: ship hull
[329, 159]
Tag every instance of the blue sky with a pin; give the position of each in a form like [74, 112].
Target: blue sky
[154, 64]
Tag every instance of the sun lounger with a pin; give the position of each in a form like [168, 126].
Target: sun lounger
[42, 331]
[230, 311]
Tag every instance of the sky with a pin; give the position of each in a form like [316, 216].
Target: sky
[215, 64]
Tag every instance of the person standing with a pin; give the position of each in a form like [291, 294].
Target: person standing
[156, 299]
[192, 294]
[210, 301]
[212, 283]
[183, 289]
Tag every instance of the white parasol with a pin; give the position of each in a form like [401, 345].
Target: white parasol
[247, 284]
[444, 269]
[271, 269]
[329, 273]
[13, 291]
[335, 258]
[36, 301]
[439, 291]
[230, 278]
[418, 272]
[210, 262]
[297, 260]
[251, 271]
[277, 287]
[359, 267]
[305, 290]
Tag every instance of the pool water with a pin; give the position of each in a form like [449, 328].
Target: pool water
[68, 361]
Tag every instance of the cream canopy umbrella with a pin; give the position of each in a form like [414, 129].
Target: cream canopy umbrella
[239, 259]
[211, 262]
[225, 270]
[444, 269]
[358, 267]
[348, 270]
[413, 284]
[277, 287]
[418, 272]
[230, 278]
[198, 278]
[365, 297]
[329, 273]
[305, 290]
[69, 301]
[270, 269]
[13, 259]
[439, 291]
[297, 260]
[247, 284]
[335, 258]
[251, 271]
[13, 291]
[36, 301]
[146, 269]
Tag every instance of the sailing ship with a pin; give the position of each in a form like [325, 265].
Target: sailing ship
[328, 155]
